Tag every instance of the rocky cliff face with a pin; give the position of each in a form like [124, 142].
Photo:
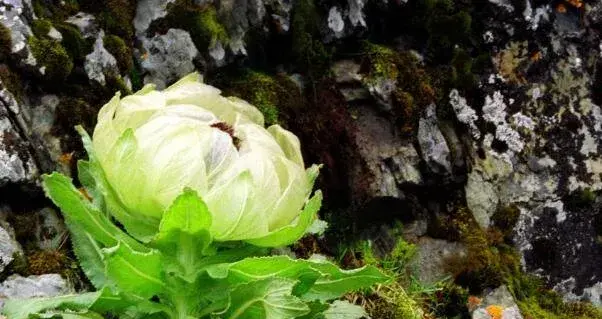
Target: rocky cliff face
[476, 124]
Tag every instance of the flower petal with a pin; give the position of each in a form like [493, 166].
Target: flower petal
[288, 142]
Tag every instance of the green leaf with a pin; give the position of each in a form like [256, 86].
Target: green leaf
[23, 308]
[340, 309]
[143, 228]
[184, 233]
[89, 255]
[292, 233]
[267, 299]
[336, 282]
[135, 272]
[68, 315]
[79, 211]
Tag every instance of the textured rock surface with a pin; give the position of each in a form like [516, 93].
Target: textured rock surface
[49, 285]
[459, 119]
[499, 300]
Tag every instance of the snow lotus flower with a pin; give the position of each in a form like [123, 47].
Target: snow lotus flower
[153, 145]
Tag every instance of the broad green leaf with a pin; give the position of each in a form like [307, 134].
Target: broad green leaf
[85, 175]
[291, 233]
[142, 228]
[252, 269]
[267, 299]
[317, 280]
[68, 315]
[90, 256]
[340, 309]
[78, 210]
[23, 308]
[184, 233]
[336, 282]
[135, 272]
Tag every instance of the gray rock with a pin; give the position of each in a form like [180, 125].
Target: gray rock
[500, 297]
[147, 11]
[8, 248]
[15, 15]
[100, 63]
[16, 162]
[388, 159]
[86, 23]
[218, 54]
[432, 258]
[48, 285]
[55, 34]
[335, 22]
[170, 56]
[356, 13]
[433, 146]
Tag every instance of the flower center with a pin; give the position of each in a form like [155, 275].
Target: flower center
[225, 127]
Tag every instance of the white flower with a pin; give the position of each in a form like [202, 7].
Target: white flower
[153, 144]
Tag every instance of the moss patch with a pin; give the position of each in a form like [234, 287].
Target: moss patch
[56, 10]
[76, 46]
[53, 57]
[268, 93]
[41, 27]
[11, 81]
[6, 41]
[122, 53]
[200, 21]
[309, 54]
[114, 16]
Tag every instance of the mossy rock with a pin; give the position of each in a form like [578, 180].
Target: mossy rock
[55, 10]
[52, 56]
[11, 81]
[41, 28]
[308, 52]
[200, 21]
[6, 42]
[114, 16]
[270, 94]
[77, 47]
[121, 51]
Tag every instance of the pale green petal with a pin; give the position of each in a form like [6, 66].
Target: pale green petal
[229, 206]
[105, 135]
[146, 89]
[247, 110]
[254, 138]
[289, 143]
[135, 110]
[294, 192]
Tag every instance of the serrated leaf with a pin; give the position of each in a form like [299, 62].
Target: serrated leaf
[267, 299]
[292, 233]
[24, 308]
[336, 282]
[340, 309]
[143, 228]
[68, 315]
[79, 211]
[135, 272]
[184, 233]
[90, 256]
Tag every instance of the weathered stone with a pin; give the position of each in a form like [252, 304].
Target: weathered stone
[100, 63]
[433, 146]
[8, 247]
[498, 299]
[432, 258]
[147, 11]
[49, 285]
[15, 15]
[86, 23]
[170, 56]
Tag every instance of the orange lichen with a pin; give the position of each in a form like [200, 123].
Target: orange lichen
[495, 311]
[561, 8]
[575, 3]
[66, 158]
[536, 56]
[473, 303]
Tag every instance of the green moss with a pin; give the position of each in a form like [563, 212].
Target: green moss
[505, 219]
[6, 42]
[52, 56]
[268, 93]
[382, 61]
[581, 198]
[200, 21]
[114, 16]
[122, 53]
[462, 76]
[77, 47]
[309, 54]
[41, 27]
[56, 10]
[11, 81]
[115, 84]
